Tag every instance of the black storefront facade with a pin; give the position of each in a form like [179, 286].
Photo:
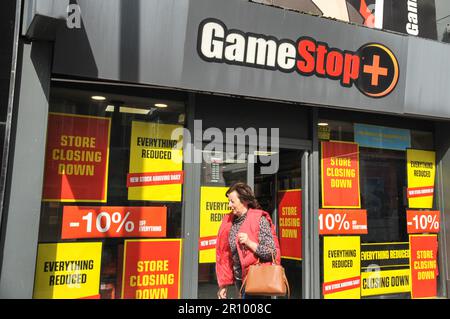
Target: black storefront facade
[260, 95]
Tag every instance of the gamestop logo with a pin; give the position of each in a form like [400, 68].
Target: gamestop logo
[373, 68]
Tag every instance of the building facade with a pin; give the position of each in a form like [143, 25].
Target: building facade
[132, 118]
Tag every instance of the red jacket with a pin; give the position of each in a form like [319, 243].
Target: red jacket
[224, 261]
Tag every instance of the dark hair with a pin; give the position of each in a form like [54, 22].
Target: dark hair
[245, 194]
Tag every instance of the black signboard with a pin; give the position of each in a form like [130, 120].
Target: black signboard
[414, 17]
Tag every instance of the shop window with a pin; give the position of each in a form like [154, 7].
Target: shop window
[381, 188]
[110, 223]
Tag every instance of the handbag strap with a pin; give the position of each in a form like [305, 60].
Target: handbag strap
[274, 261]
[242, 286]
[287, 286]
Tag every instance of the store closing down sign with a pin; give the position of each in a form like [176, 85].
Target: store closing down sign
[113, 221]
[290, 223]
[76, 162]
[380, 282]
[340, 175]
[151, 269]
[424, 269]
[373, 68]
[385, 268]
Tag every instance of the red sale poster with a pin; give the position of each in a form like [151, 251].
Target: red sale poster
[76, 160]
[423, 221]
[342, 221]
[423, 264]
[151, 269]
[340, 175]
[113, 221]
[290, 223]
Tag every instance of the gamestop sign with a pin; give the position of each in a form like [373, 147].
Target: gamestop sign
[373, 69]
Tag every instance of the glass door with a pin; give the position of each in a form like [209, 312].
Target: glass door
[280, 194]
[220, 169]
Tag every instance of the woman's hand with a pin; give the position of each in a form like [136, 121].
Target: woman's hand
[222, 293]
[244, 240]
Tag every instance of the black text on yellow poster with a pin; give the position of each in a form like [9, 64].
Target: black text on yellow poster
[341, 278]
[385, 268]
[421, 173]
[67, 270]
[156, 162]
[213, 206]
[375, 281]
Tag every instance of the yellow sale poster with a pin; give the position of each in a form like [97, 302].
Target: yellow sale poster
[385, 268]
[68, 270]
[213, 206]
[341, 267]
[376, 281]
[421, 172]
[156, 162]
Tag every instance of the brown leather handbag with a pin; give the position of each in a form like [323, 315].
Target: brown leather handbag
[266, 280]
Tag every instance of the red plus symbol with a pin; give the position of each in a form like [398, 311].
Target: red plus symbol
[375, 70]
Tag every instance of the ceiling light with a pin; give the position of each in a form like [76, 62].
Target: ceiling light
[110, 108]
[160, 105]
[264, 153]
[322, 124]
[133, 110]
[98, 98]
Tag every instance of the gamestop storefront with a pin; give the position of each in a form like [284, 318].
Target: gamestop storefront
[140, 119]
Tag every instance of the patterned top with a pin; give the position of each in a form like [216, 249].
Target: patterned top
[265, 247]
